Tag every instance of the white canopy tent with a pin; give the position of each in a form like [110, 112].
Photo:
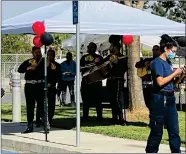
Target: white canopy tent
[95, 17]
[103, 44]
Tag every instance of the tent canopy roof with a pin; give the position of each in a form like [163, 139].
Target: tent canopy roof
[96, 17]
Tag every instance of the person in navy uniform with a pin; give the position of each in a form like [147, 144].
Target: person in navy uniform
[115, 83]
[163, 106]
[34, 87]
[91, 93]
[53, 78]
[68, 69]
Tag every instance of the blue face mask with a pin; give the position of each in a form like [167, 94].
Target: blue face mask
[171, 55]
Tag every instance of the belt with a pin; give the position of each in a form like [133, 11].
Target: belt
[34, 81]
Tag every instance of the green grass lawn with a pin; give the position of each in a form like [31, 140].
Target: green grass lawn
[65, 117]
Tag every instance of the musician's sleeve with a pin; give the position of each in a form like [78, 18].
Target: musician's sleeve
[82, 62]
[101, 59]
[157, 68]
[126, 64]
[23, 67]
[140, 64]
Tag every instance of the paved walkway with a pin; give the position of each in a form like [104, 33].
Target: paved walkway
[7, 151]
[64, 141]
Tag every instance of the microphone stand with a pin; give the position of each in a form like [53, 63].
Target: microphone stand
[46, 97]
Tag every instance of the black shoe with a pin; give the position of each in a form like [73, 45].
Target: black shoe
[28, 130]
[72, 104]
[84, 119]
[100, 119]
[38, 125]
[61, 104]
[115, 121]
[52, 125]
[123, 123]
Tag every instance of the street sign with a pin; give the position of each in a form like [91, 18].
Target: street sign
[75, 12]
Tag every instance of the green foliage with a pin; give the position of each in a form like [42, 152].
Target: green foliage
[58, 39]
[173, 10]
[133, 3]
[146, 52]
[12, 44]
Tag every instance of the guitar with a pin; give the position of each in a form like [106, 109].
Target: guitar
[143, 71]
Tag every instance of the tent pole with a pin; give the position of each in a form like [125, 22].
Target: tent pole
[77, 82]
[46, 97]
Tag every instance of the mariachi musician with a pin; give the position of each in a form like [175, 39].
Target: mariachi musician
[115, 83]
[34, 87]
[53, 78]
[91, 93]
[143, 71]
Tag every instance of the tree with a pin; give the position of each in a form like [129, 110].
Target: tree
[136, 99]
[58, 39]
[19, 44]
[173, 10]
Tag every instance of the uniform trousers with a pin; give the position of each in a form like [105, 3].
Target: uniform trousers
[163, 112]
[91, 96]
[51, 102]
[34, 93]
[116, 97]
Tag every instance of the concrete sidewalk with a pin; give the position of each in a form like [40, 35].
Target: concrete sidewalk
[64, 141]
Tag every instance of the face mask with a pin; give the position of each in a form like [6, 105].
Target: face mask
[171, 55]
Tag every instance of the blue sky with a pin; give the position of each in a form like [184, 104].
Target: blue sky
[13, 8]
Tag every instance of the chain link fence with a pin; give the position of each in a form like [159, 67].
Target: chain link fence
[10, 62]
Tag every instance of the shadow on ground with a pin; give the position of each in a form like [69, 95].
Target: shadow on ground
[70, 123]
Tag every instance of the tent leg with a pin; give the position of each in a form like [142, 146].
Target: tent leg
[77, 83]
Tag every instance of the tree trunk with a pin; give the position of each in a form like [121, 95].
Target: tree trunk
[136, 99]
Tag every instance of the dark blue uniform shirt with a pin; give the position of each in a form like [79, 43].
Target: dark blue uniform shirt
[162, 68]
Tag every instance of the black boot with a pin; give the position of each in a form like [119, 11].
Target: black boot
[29, 129]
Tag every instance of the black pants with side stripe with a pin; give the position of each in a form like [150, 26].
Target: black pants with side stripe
[116, 97]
